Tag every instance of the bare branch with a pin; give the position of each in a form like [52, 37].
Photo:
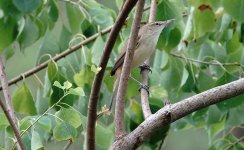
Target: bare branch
[92, 106]
[57, 57]
[144, 72]
[67, 145]
[8, 110]
[206, 62]
[173, 112]
[119, 107]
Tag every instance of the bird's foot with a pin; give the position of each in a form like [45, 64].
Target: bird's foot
[145, 67]
[145, 87]
[167, 102]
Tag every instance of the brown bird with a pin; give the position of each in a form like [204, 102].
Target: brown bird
[146, 43]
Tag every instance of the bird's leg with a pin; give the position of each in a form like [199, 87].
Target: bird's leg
[145, 66]
[167, 102]
[141, 85]
[145, 87]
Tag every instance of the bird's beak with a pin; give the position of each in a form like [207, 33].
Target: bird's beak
[166, 22]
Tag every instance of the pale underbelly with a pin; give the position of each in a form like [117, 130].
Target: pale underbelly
[140, 56]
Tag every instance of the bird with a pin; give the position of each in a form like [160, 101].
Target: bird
[147, 39]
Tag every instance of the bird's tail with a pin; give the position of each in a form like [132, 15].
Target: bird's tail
[115, 90]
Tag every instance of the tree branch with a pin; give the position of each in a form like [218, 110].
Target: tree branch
[119, 107]
[68, 144]
[173, 112]
[57, 57]
[206, 62]
[144, 72]
[92, 106]
[8, 110]
[12, 124]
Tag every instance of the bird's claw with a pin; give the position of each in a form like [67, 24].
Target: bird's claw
[145, 87]
[145, 67]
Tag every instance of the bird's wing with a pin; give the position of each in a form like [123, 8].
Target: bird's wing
[121, 57]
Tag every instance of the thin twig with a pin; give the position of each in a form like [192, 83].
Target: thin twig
[9, 111]
[10, 120]
[144, 72]
[67, 145]
[206, 62]
[167, 115]
[161, 144]
[239, 140]
[92, 106]
[38, 118]
[119, 105]
[57, 57]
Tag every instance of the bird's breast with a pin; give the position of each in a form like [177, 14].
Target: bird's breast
[143, 52]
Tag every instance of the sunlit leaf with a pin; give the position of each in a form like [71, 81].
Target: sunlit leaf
[23, 101]
[67, 85]
[204, 21]
[8, 28]
[36, 142]
[64, 131]
[29, 34]
[27, 6]
[57, 84]
[95, 69]
[77, 91]
[235, 8]
[3, 121]
[97, 50]
[69, 116]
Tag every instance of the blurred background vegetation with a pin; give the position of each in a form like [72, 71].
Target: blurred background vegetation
[205, 30]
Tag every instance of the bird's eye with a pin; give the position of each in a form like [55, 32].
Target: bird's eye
[157, 23]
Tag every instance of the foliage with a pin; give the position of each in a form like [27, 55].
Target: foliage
[205, 30]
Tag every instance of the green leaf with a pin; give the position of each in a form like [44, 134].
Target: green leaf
[46, 123]
[204, 82]
[95, 69]
[158, 92]
[52, 71]
[99, 14]
[29, 34]
[64, 38]
[235, 8]
[75, 18]
[8, 30]
[27, 6]
[49, 45]
[23, 101]
[215, 129]
[58, 93]
[36, 142]
[134, 111]
[67, 85]
[170, 76]
[77, 91]
[170, 39]
[69, 116]
[101, 133]
[3, 121]
[57, 84]
[53, 12]
[214, 115]
[204, 21]
[26, 122]
[84, 76]
[64, 131]
[166, 10]
[97, 50]
[233, 44]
